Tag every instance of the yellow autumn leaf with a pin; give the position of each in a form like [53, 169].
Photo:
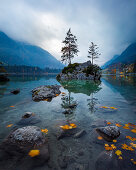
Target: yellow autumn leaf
[114, 140]
[120, 157]
[132, 125]
[34, 153]
[99, 137]
[118, 152]
[118, 125]
[105, 107]
[9, 125]
[131, 138]
[108, 123]
[133, 145]
[73, 125]
[133, 130]
[134, 162]
[125, 127]
[44, 130]
[113, 108]
[113, 146]
[126, 147]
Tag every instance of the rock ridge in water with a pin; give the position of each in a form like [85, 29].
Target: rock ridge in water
[80, 71]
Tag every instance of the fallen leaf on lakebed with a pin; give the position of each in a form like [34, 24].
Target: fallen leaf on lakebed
[9, 125]
[107, 107]
[110, 148]
[12, 106]
[70, 126]
[131, 138]
[44, 130]
[114, 140]
[134, 162]
[126, 147]
[133, 145]
[118, 152]
[34, 153]
[118, 125]
[100, 138]
[108, 123]
[133, 130]
[132, 125]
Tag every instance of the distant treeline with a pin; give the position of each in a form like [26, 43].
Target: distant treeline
[30, 70]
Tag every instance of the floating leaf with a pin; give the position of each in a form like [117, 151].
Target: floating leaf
[125, 127]
[133, 130]
[108, 123]
[132, 139]
[113, 146]
[114, 140]
[73, 125]
[108, 148]
[9, 125]
[134, 162]
[133, 145]
[132, 125]
[66, 127]
[57, 94]
[118, 125]
[104, 107]
[126, 147]
[44, 130]
[120, 157]
[63, 93]
[34, 153]
[113, 108]
[12, 106]
[100, 138]
[118, 152]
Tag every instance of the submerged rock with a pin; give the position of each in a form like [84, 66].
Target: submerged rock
[29, 118]
[45, 92]
[109, 132]
[4, 77]
[16, 91]
[26, 136]
[80, 134]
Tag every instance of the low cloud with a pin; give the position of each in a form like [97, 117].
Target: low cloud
[110, 24]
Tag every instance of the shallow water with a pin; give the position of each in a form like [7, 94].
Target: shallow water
[112, 91]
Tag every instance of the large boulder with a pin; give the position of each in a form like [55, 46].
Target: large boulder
[26, 136]
[45, 92]
[109, 132]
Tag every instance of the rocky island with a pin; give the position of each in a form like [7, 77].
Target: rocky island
[80, 71]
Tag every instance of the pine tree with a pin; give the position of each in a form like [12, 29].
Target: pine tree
[93, 52]
[70, 49]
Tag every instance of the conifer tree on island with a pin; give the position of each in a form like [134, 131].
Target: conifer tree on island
[70, 49]
[93, 52]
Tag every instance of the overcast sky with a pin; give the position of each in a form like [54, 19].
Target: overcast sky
[111, 24]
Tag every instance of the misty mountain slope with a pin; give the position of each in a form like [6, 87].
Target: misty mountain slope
[109, 62]
[13, 52]
[128, 56]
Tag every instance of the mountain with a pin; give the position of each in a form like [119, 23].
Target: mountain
[127, 57]
[109, 62]
[19, 53]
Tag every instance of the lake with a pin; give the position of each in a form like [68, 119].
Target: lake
[112, 100]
